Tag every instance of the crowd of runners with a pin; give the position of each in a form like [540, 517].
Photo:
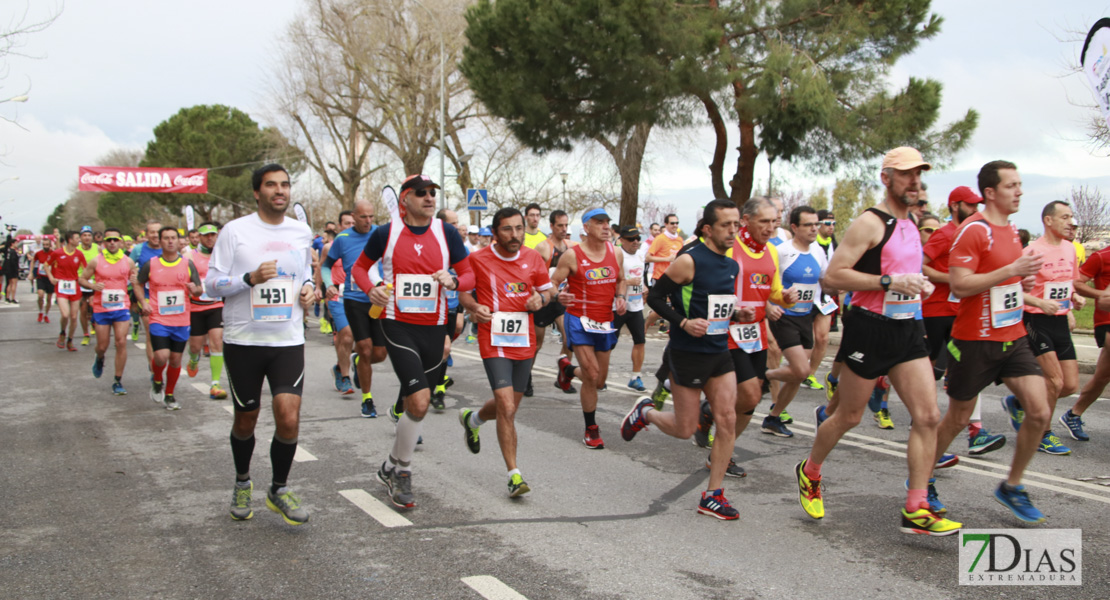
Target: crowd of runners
[747, 302]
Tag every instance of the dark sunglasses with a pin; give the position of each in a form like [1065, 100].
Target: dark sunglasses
[113, 239]
[672, 223]
[633, 239]
[425, 192]
[828, 223]
[928, 229]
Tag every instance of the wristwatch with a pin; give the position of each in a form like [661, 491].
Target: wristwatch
[885, 281]
[247, 279]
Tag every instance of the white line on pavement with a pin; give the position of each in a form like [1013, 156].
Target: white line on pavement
[229, 409]
[140, 345]
[491, 588]
[200, 387]
[303, 455]
[371, 506]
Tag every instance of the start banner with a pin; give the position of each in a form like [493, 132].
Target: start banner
[143, 179]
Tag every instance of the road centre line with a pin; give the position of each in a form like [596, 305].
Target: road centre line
[491, 588]
[376, 509]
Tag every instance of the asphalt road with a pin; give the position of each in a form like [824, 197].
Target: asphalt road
[109, 497]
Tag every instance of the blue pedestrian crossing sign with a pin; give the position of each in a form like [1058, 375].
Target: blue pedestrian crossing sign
[477, 199]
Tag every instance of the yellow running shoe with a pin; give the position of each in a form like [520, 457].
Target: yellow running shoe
[925, 522]
[830, 388]
[883, 419]
[217, 393]
[325, 327]
[809, 493]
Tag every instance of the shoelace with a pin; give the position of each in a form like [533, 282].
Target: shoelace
[290, 500]
[1019, 498]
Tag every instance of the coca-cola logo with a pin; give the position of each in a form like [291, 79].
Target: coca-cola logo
[97, 178]
[191, 180]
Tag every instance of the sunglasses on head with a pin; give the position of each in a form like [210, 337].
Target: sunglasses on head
[928, 229]
[425, 192]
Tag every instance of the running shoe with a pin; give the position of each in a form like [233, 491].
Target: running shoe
[811, 383]
[471, 339]
[659, 396]
[636, 419]
[592, 438]
[46, 318]
[774, 426]
[984, 441]
[932, 496]
[447, 381]
[40, 317]
[713, 503]
[785, 416]
[450, 361]
[637, 384]
[98, 367]
[437, 398]
[69, 345]
[192, 367]
[353, 370]
[368, 409]
[325, 327]
[345, 387]
[61, 343]
[156, 393]
[1013, 408]
[396, 410]
[216, 392]
[517, 487]
[819, 415]
[563, 381]
[830, 387]
[85, 341]
[947, 460]
[470, 434]
[1017, 500]
[286, 503]
[400, 489]
[135, 333]
[338, 375]
[117, 389]
[703, 437]
[241, 501]
[926, 522]
[92, 332]
[1074, 424]
[170, 403]
[528, 391]
[732, 470]
[1050, 444]
[809, 493]
[883, 419]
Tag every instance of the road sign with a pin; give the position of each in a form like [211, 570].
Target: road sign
[477, 199]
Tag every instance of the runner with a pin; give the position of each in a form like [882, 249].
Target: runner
[702, 287]
[365, 332]
[193, 236]
[43, 287]
[110, 302]
[781, 235]
[633, 318]
[511, 283]
[453, 328]
[551, 250]
[9, 253]
[532, 234]
[663, 251]
[593, 272]
[62, 268]
[332, 281]
[1095, 270]
[1047, 308]
[260, 261]
[91, 250]
[416, 254]
[880, 258]
[172, 281]
[206, 314]
[988, 272]
[141, 255]
[801, 264]
[824, 311]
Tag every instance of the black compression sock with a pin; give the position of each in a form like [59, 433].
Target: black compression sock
[589, 416]
[241, 451]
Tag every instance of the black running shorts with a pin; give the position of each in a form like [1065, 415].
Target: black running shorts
[937, 332]
[248, 366]
[548, 314]
[362, 326]
[973, 365]
[203, 321]
[791, 330]
[43, 283]
[1049, 333]
[1100, 334]
[505, 372]
[695, 369]
[416, 352]
[634, 321]
[749, 366]
[873, 344]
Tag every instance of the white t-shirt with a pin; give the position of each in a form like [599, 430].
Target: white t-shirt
[251, 318]
[633, 269]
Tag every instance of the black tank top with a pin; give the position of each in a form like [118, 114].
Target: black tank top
[872, 261]
[555, 255]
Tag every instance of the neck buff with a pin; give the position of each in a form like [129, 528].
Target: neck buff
[750, 242]
[673, 236]
[113, 258]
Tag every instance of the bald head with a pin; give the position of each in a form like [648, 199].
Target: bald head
[364, 215]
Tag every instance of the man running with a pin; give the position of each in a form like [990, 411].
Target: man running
[511, 283]
[91, 250]
[1095, 270]
[633, 318]
[702, 287]
[62, 268]
[824, 312]
[880, 261]
[532, 234]
[1046, 319]
[43, 287]
[416, 254]
[988, 273]
[593, 272]
[206, 314]
[261, 266]
[663, 251]
[551, 250]
[331, 282]
[172, 281]
[365, 332]
[141, 255]
[801, 265]
[110, 302]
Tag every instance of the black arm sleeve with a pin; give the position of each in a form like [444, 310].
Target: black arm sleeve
[657, 299]
[144, 274]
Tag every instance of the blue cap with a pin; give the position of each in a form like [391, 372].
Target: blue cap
[86, 228]
[594, 213]
[486, 231]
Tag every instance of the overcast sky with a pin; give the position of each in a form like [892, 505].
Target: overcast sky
[108, 71]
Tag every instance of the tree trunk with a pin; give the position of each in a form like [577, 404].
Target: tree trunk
[744, 179]
[628, 155]
[720, 148]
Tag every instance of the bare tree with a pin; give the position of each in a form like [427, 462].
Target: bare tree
[13, 38]
[652, 211]
[1092, 211]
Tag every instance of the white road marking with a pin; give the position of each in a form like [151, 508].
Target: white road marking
[140, 345]
[303, 455]
[229, 409]
[200, 387]
[371, 506]
[491, 588]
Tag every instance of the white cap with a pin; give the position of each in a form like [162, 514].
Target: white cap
[472, 229]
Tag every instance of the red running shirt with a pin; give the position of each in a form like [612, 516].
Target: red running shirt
[989, 315]
[937, 249]
[593, 285]
[1097, 267]
[505, 285]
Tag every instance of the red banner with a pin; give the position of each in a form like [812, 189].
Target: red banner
[142, 179]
